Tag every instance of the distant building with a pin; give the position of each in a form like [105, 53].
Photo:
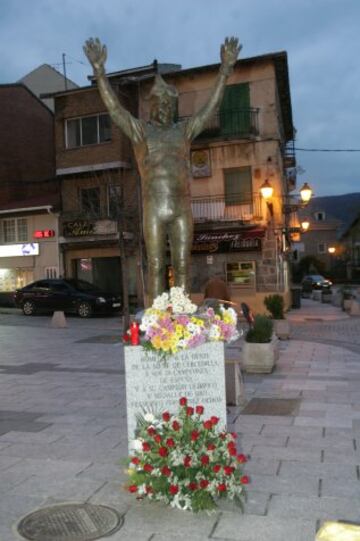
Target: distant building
[45, 80]
[329, 218]
[351, 242]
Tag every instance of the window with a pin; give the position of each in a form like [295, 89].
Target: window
[14, 230]
[321, 248]
[90, 201]
[88, 130]
[114, 200]
[320, 216]
[238, 186]
[241, 274]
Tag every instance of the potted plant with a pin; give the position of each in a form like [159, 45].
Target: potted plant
[347, 297]
[275, 305]
[259, 351]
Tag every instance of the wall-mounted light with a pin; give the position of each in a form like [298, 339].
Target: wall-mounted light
[267, 191]
[331, 249]
[305, 193]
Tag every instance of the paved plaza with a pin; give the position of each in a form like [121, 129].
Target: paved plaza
[63, 430]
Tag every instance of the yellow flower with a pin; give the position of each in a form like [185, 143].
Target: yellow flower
[156, 342]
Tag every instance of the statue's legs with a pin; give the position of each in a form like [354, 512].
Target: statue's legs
[181, 238]
[155, 242]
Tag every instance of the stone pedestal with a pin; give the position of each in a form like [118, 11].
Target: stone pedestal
[154, 386]
[58, 321]
[235, 393]
[316, 295]
[354, 308]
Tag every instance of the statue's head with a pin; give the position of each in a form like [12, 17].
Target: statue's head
[163, 101]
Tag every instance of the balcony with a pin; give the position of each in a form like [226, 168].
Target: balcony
[233, 123]
[221, 208]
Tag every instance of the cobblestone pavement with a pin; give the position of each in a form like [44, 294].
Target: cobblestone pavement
[63, 433]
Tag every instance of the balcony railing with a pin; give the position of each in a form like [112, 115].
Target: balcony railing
[242, 123]
[289, 155]
[242, 207]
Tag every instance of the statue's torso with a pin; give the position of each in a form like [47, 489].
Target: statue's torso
[163, 159]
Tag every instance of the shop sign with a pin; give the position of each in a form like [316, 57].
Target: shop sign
[16, 250]
[85, 228]
[78, 228]
[227, 241]
[44, 234]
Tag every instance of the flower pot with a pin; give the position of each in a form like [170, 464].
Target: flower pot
[258, 358]
[347, 304]
[282, 328]
[316, 295]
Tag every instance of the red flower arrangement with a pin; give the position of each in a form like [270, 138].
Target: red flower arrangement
[184, 460]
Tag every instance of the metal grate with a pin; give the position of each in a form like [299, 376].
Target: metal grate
[71, 522]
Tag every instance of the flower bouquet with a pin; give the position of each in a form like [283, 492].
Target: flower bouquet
[184, 461]
[171, 324]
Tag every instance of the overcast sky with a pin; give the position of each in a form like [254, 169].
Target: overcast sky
[320, 36]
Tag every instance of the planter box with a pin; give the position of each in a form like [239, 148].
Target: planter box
[259, 358]
[326, 296]
[347, 304]
[282, 328]
[354, 308]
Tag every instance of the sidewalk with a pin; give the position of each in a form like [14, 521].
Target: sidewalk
[63, 434]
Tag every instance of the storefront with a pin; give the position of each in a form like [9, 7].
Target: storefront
[234, 254]
[29, 249]
[91, 252]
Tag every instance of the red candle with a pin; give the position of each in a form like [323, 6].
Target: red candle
[134, 334]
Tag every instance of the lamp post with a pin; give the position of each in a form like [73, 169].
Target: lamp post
[332, 252]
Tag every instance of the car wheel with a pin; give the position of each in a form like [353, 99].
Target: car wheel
[84, 309]
[29, 308]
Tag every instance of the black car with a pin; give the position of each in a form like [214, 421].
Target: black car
[315, 281]
[68, 295]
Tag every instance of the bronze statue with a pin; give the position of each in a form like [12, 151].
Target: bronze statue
[162, 151]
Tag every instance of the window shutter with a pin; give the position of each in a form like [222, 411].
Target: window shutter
[235, 110]
[238, 186]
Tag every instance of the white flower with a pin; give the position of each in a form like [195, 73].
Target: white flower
[149, 417]
[181, 501]
[136, 444]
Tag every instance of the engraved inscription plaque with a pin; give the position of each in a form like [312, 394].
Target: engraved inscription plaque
[153, 385]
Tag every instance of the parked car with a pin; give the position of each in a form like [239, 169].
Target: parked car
[67, 295]
[315, 281]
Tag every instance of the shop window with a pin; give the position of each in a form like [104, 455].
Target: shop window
[90, 201]
[88, 130]
[321, 248]
[11, 279]
[114, 200]
[241, 274]
[14, 230]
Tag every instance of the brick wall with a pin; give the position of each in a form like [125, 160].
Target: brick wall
[26, 137]
[86, 103]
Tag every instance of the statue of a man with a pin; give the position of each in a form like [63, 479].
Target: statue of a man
[162, 151]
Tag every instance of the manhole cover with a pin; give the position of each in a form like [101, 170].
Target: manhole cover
[271, 406]
[76, 522]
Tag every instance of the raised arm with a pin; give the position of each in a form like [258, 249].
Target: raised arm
[229, 52]
[131, 126]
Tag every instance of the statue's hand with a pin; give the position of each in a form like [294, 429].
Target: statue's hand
[96, 54]
[229, 52]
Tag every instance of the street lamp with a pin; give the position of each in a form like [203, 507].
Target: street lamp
[267, 191]
[305, 193]
[305, 224]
